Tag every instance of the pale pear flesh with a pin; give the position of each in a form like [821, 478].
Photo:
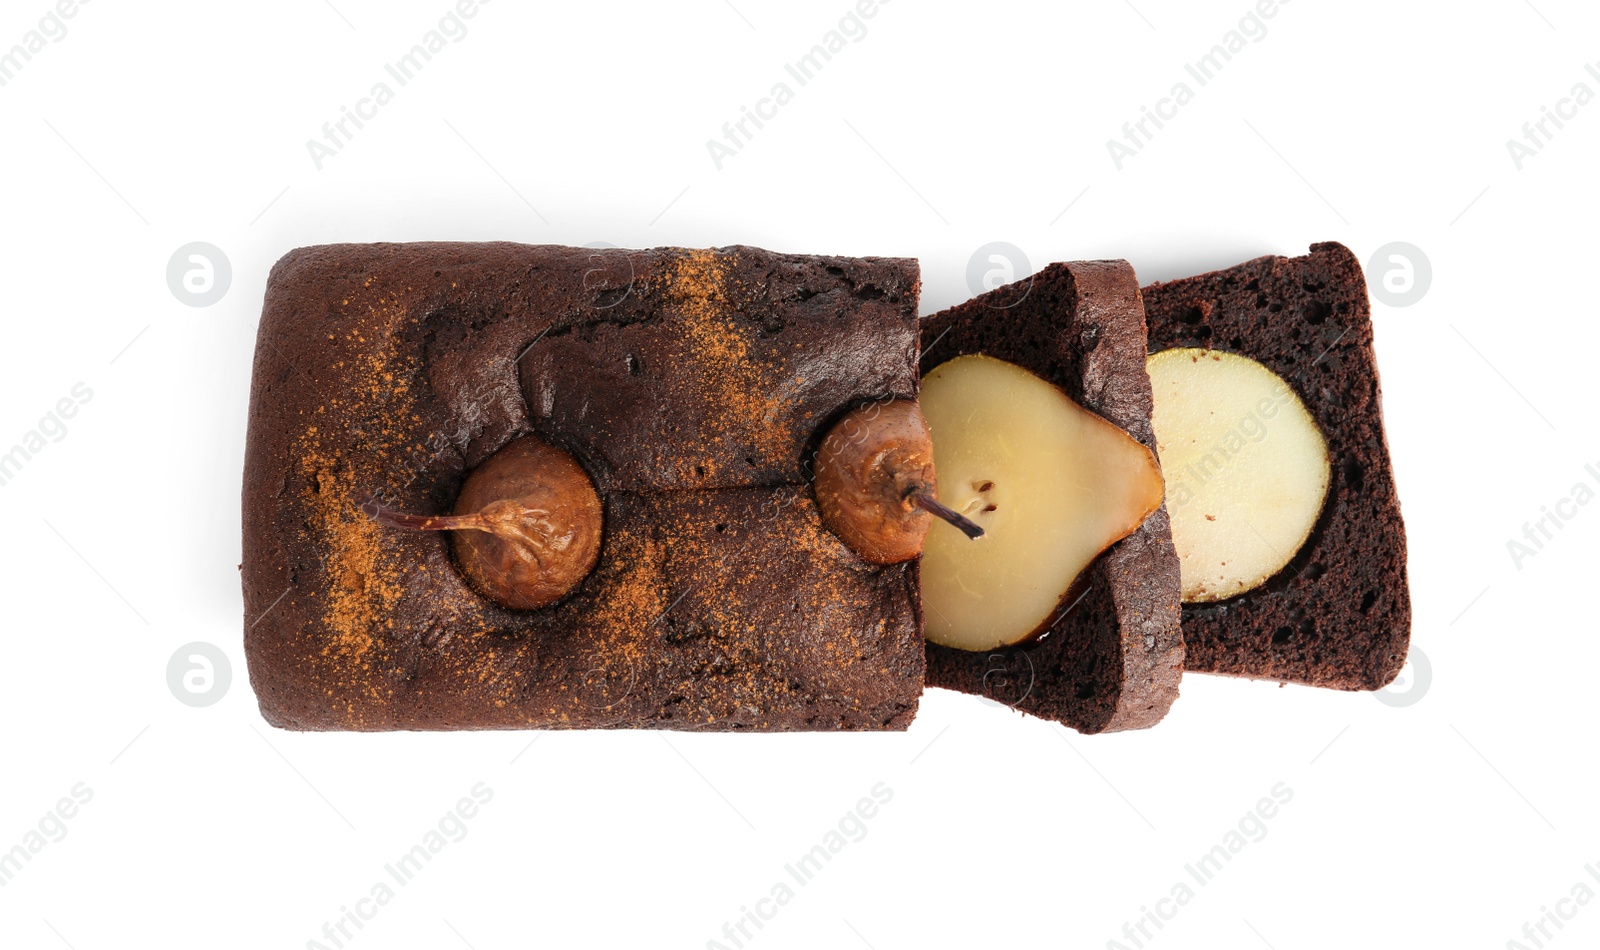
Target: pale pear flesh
[1052, 484]
[1246, 466]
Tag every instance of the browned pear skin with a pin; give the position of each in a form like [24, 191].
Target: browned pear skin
[526, 527]
[870, 469]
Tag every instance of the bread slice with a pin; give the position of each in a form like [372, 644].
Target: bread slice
[1340, 614]
[1113, 657]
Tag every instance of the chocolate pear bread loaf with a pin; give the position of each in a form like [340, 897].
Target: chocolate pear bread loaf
[1113, 657]
[1339, 615]
[689, 384]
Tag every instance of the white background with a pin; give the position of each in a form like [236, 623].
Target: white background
[1448, 822]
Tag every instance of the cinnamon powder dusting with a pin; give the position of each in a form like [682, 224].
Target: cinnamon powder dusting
[678, 620]
[618, 683]
[743, 393]
[364, 581]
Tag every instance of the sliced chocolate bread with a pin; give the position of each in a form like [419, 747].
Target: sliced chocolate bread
[1113, 656]
[1339, 615]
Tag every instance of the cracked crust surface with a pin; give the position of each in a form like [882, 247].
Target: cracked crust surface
[690, 384]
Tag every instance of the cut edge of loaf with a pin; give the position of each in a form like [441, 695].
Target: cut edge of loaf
[1114, 661]
[1322, 310]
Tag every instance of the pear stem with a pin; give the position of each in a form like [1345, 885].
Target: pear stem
[932, 506]
[399, 519]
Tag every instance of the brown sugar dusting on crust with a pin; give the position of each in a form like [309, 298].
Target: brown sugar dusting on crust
[708, 300]
[621, 627]
[766, 624]
[361, 588]
[497, 670]
[365, 579]
[718, 639]
[742, 655]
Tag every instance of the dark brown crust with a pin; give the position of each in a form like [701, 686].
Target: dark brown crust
[1340, 614]
[1114, 660]
[719, 601]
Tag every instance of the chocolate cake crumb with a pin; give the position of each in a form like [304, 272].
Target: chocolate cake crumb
[1339, 615]
[1113, 657]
